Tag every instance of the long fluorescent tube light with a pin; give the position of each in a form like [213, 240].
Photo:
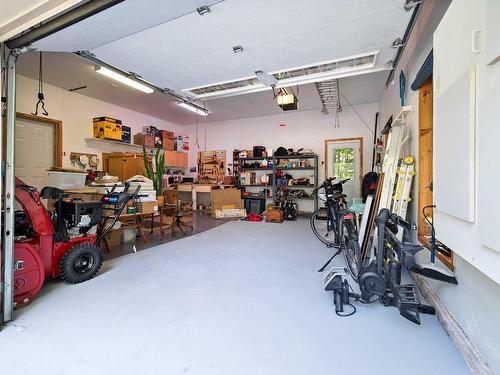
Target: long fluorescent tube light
[193, 109]
[124, 79]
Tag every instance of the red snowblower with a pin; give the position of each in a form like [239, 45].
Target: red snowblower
[53, 244]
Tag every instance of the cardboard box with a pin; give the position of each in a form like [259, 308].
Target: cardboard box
[107, 130]
[149, 130]
[230, 213]
[230, 180]
[167, 140]
[220, 198]
[147, 207]
[114, 238]
[167, 134]
[126, 134]
[144, 140]
[179, 143]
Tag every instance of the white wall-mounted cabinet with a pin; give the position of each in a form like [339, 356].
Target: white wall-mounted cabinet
[466, 135]
[457, 43]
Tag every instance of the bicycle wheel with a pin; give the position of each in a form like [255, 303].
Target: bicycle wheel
[322, 228]
[350, 247]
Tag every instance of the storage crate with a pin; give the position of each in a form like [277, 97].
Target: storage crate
[67, 180]
[107, 119]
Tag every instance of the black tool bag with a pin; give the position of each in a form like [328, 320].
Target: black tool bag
[289, 211]
[258, 151]
[369, 185]
[281, 151]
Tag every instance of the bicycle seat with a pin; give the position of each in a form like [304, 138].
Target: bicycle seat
[339, 195]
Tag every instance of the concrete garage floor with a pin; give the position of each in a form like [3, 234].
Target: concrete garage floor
[242, 298]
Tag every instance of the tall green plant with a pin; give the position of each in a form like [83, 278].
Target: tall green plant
[154, 171]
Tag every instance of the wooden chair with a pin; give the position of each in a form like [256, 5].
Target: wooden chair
[174, 208]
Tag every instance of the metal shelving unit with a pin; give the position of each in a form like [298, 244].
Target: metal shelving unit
[272, 186]
[314, 168]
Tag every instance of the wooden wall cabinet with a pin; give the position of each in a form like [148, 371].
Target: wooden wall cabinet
[125, 164]
[171, 158]
[176, 159]
[183, 159]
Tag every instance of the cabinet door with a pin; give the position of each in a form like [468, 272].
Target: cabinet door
[183, 160]
[457, 48]
[457, 42]
[115, 166]
[132, 166]
[171, 158]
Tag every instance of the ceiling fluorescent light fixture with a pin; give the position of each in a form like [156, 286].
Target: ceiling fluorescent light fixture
[262, 80]
[193, 108]
[124, 79]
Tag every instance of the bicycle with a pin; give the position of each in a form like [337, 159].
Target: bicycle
[334, 225]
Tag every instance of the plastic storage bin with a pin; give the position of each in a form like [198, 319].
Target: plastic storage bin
[67, 180]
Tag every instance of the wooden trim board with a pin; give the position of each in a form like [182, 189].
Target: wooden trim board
[468, 351]
[340, 140]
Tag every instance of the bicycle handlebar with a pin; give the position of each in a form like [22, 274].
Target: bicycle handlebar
[329, 181]
[396, 219]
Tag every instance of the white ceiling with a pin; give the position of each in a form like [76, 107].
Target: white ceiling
[169, 44]
[68, 71]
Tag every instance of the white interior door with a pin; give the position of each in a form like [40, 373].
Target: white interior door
[35, 152]
[344, 161]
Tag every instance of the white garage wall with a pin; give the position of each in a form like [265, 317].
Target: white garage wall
[474, 302]
[76, 112]
[308, 129]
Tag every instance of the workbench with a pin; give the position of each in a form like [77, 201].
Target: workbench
[200, 193]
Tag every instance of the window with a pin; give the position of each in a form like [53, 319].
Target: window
[343, 163]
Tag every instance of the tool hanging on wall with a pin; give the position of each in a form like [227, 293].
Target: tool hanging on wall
[41, 97]
[402, 88]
